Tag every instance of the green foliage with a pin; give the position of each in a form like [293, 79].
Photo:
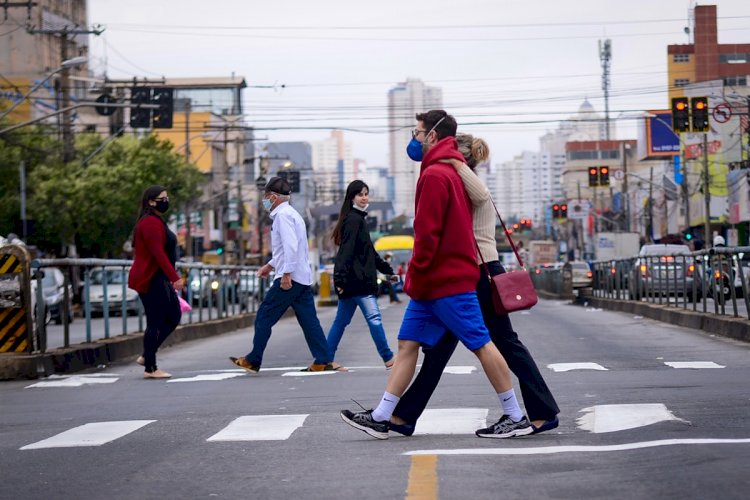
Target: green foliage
[94, 205]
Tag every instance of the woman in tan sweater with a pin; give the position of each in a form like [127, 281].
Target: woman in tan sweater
[538, 400]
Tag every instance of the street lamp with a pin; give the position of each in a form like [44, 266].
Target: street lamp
[70, 63]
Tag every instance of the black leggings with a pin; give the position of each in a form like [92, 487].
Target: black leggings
[163, 314]
[539, 402]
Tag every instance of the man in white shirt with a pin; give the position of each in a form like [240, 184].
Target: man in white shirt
[291, 284]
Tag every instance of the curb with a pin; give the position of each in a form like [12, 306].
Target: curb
[106, 351]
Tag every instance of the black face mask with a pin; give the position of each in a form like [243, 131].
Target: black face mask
[162, 205]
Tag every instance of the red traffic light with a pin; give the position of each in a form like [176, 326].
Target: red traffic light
[565, 207]
[555, 207]
[680, 105]
[592, 171]
[604, 170]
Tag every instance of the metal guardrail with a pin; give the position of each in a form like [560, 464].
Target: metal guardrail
[713, 281]
[214, 291]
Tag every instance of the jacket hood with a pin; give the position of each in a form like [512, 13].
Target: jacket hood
[445, 149]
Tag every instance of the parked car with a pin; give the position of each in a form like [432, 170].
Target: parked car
[114, 277]
[211, 284]
[664, 270]
[53, 288]
[582, 274]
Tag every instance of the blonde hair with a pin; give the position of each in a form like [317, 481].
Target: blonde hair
[473, 149]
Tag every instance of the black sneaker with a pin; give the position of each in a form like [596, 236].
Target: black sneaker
[363, 421]
[506, 428]
[405, 429]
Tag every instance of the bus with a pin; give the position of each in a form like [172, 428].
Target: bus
[400, 247]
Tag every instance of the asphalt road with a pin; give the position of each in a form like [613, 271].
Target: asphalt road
[635, 423]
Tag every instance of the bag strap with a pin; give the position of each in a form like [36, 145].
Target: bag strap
[507, 235]
[484, 264]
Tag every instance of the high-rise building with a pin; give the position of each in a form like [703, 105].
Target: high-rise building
[706, 59]
[405, 100]
[333, 163]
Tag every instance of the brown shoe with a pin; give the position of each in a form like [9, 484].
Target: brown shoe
[325, 367]
[243, 363]
[157, 374]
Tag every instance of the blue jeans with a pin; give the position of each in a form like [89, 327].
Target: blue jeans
[275, 304]
[369, 306]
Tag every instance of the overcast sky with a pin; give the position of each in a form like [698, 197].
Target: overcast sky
[508, 68]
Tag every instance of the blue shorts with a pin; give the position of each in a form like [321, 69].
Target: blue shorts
[426, 321]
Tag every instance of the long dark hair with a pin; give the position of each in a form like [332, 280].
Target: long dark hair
[149, 194]
[352, 190]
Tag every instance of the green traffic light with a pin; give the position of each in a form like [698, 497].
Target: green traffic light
[219, 251]
[688, 236]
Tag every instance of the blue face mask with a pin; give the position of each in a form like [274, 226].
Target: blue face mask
[414, 149]
[267, 204]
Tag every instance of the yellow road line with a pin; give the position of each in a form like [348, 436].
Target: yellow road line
[423, 483]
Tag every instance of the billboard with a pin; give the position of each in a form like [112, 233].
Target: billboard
[660, 138]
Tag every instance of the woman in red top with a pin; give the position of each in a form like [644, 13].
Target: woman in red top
[154, 277]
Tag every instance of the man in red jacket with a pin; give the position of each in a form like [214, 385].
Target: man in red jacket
[441, 281]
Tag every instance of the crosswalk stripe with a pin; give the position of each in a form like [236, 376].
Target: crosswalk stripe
[451, 421]
[76, 381]
[93, 434]
[612, 418]
[209, 377]
[566, 367]
[693, 364]
[260, 428]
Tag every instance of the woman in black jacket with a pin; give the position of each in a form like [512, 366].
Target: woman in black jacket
[355, 272]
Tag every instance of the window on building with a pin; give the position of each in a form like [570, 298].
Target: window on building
[734, 58]
[582, 155]
[681, 58]
[735, 81]
[681, 82]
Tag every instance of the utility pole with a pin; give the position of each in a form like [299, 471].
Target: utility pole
[22, 173]
[685, 190]
[651, 204]
[240, 203]
[605, 56]
[188, 222]
[67, 125]
[625, 195]
[706, 193]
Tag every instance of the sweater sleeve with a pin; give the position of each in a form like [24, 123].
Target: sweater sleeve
[154, 237]
[475, 188]
[345, 254]
[429, 221]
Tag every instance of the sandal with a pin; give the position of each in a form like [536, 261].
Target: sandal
[328, 367]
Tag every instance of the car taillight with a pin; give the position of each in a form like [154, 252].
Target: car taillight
[691, 270]
[613, 271]
[538, 271]
[717, 275]
[589, 274]
[644, 270]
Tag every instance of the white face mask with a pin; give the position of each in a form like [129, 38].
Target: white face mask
[364, 209]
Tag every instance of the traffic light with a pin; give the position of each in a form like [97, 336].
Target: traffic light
[680, 114]
[140, 117]
[604, 176]
[699, 110]
[556, 211]
[564, 211]
[593, 176]
[164, 98]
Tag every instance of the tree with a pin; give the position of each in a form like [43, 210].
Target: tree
[35, 146]
[96, 205]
